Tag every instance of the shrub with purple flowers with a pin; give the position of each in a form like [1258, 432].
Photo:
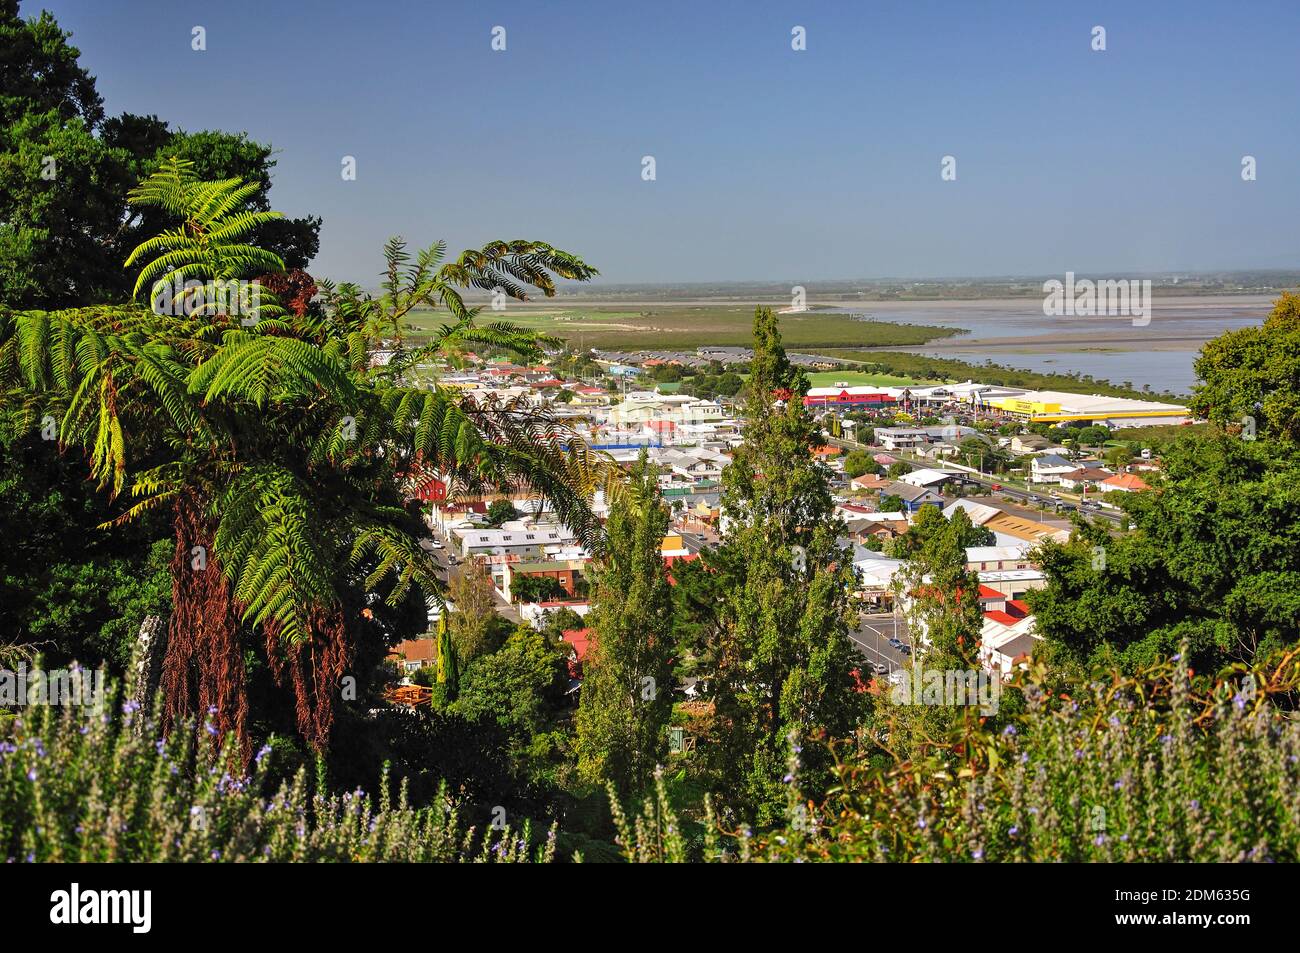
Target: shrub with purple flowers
[104, 784]
[1158, 766]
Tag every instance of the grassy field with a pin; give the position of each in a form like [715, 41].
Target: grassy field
[1158, 436]
[670, 327]
[859, 378]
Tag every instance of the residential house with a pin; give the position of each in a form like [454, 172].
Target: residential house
[579, 641]
[1123, 483]
[1049, 467]
[902, 438]
[588, 397]
[536, 614]
[1024, 443]
[1007, 637]
[1084, 478]
[869, 482]
[880, 526]
[933, 479]
[913, 497]
[411, 655]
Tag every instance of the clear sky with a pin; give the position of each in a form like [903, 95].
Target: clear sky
[771, 164]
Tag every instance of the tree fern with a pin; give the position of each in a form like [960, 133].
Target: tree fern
[278, 446]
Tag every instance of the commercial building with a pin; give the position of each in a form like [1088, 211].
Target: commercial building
[848, 398]
[1054, 407]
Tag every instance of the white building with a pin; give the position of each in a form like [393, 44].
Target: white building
[994, 558]
[1049, 468]
[930, 479]
[641, 407]
[514, 538]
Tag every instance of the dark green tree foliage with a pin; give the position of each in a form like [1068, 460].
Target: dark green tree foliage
[65, 170]
[626, 699]
[1214, 558]
[943, 612]
[68, 588]
[515, 687]
[1255, 373]
[958, 533]
[448, 677]
[943, 593]
[892, 504]
[785, 663]
[501, 511]
[859, 462]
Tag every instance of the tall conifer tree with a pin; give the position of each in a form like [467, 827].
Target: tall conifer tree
[785, 663]
[626, 691]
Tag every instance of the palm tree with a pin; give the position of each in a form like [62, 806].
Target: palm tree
[281, 455]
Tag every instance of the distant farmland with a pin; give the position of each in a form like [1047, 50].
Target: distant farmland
[669, 327]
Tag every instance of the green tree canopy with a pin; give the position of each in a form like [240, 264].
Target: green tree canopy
[1252, 376]
[627, 676]
[1213, 558]
[785, 664]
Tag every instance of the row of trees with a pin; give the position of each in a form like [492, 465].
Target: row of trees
[765, 617]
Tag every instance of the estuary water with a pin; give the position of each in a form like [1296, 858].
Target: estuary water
[1016, 333]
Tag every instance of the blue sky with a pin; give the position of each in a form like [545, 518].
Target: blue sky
[771, 164]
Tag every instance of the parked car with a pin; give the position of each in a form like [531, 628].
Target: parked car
[896, 643]
[878, 668]
[905, 649]
[995, 487]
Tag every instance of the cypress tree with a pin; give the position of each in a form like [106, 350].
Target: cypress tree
[448, 669]
[943, 611]
[626, 699]
[786, 666]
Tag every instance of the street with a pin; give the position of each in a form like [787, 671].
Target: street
[1016, 501]
[872, 639]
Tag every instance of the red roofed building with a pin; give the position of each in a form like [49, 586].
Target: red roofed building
[1007, 636]
[1124, 483]
[414, 654]
[580, 641]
